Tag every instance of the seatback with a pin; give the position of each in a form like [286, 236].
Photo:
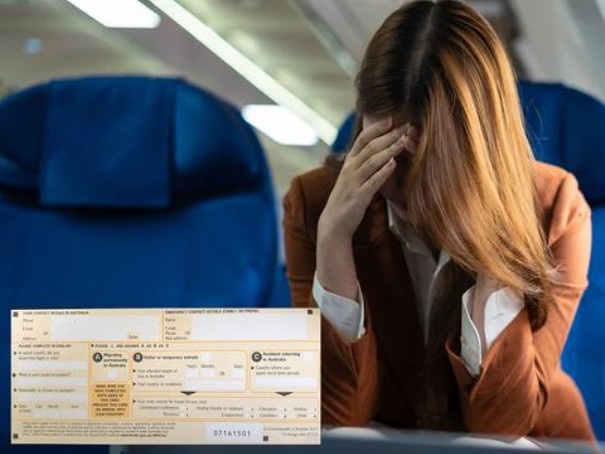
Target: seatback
[567, 128]
[130, 192]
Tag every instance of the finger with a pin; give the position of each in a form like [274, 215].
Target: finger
[379, 144]
[411, 140]
[413, 132]
[371, 132]
[370, 165]
[378, 178]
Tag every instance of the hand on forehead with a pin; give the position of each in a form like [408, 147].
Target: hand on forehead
[411, 132]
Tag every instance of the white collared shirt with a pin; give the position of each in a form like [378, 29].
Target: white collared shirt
[502, 305]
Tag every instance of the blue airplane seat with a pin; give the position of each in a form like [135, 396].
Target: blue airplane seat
[567, 128]
[130, 192]
[343, 136]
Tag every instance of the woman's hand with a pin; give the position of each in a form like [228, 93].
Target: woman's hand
[366, 168]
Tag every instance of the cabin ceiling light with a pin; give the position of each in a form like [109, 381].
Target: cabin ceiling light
[255, 75]
[119, 13]
[280, 124]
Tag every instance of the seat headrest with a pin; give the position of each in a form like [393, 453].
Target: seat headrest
[125, 142]
[567, 127]
[342, 142]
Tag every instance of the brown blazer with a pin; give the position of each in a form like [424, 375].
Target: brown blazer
[388, 375]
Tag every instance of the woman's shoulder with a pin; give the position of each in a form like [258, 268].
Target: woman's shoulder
[313, 187]
[308, 194]
[560, 199]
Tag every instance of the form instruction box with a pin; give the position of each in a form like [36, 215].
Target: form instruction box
[165, 376]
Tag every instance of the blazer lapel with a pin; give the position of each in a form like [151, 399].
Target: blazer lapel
[385, 281]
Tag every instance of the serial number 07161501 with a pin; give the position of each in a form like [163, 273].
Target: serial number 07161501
[234, 432]
[228, 433]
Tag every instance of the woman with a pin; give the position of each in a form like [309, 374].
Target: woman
[448, 264]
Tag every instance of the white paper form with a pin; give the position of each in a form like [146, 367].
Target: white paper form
[166, 376]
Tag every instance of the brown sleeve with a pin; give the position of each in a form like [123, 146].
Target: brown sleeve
[348, 369]
[513, 387]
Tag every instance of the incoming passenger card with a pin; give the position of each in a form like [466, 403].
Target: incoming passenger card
[166, 376]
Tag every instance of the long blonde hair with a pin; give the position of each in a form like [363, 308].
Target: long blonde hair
[470, 188]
